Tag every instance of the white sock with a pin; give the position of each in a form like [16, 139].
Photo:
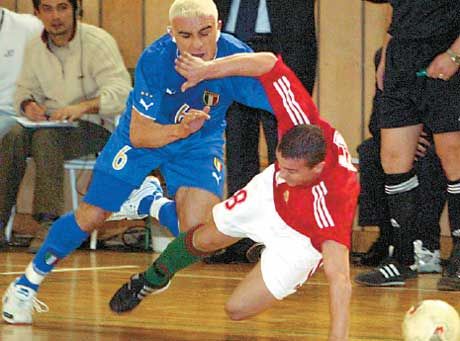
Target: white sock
[32, 275]
[156, 206]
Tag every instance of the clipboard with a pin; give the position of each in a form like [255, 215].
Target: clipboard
[25, 122]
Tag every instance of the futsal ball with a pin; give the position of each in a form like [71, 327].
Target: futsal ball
[431, 320]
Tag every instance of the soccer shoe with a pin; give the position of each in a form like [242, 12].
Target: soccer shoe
[450, 280]
[150, 187]
[426, 261]
[132, 293]
[388, 274]
[19, 302]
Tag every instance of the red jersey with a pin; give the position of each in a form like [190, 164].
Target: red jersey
[323, 210]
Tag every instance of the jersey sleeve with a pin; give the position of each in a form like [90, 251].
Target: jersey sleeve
[334, 213]
[147, 93]
[291, 102]
[250, 92]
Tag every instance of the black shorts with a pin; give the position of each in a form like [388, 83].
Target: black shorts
[407, 99]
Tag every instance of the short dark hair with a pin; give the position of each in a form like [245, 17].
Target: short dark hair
[304, 142]
[74, 4]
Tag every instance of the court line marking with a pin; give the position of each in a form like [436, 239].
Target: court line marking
[79, 269]
[121, 267]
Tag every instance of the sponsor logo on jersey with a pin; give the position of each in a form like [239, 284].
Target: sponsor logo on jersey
[180, 114]
[217, 177]
[210, 98]
[9, 53]
[146, 102]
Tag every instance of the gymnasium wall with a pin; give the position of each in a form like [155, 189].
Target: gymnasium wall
[349, 31]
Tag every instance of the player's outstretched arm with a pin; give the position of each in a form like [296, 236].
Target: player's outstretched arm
[196, 70]
[145, 133]
[337, 269]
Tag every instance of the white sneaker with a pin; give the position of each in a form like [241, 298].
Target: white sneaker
[150, 186]
[427, 261]
[19, 302]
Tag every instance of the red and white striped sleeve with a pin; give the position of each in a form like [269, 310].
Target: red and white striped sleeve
[291, 102]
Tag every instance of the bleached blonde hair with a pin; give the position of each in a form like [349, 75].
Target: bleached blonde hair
[192, 8]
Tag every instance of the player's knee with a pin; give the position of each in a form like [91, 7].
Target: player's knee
[90, 217]
[235, 311]
[206, 243]
[450, 162]
[207, 238]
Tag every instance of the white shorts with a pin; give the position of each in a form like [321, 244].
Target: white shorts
[289, 258]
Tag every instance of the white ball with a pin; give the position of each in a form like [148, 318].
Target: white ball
[431, 320]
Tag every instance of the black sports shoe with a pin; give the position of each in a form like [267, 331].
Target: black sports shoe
[132, 293]
[450, 280]
[388, 273]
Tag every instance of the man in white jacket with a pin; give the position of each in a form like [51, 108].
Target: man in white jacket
[74, 72]
[15, 30]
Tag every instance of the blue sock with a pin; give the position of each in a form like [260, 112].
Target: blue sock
[63, 237]
[23, 280]
[144, 206]
[168, 217]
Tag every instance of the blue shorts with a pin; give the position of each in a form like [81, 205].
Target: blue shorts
[190, 163]
[107, 192]
[204, 172]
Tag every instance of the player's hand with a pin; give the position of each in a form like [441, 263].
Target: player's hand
[70, 113]
[422, 146]
[193, 121]
[442, 67]
[35, 112]
[380, 73]
[192, 68]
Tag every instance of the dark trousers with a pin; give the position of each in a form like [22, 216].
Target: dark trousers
[49, 148]
[242, 147]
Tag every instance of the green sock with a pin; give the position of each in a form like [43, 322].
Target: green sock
[175, 257]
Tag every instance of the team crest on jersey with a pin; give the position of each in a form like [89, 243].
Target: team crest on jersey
[217, 175]
[210, 98]
[180, 114]
[218, 165]
[286, 196]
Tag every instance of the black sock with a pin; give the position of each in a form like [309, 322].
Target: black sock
[401, 191]
[453, 202]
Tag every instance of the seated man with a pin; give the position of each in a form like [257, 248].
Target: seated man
[301, 207]
[15, 30]
[74, 72]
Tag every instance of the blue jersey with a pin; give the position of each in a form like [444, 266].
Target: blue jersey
[157, 95]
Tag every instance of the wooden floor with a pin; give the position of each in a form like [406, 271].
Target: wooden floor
[192, 308]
